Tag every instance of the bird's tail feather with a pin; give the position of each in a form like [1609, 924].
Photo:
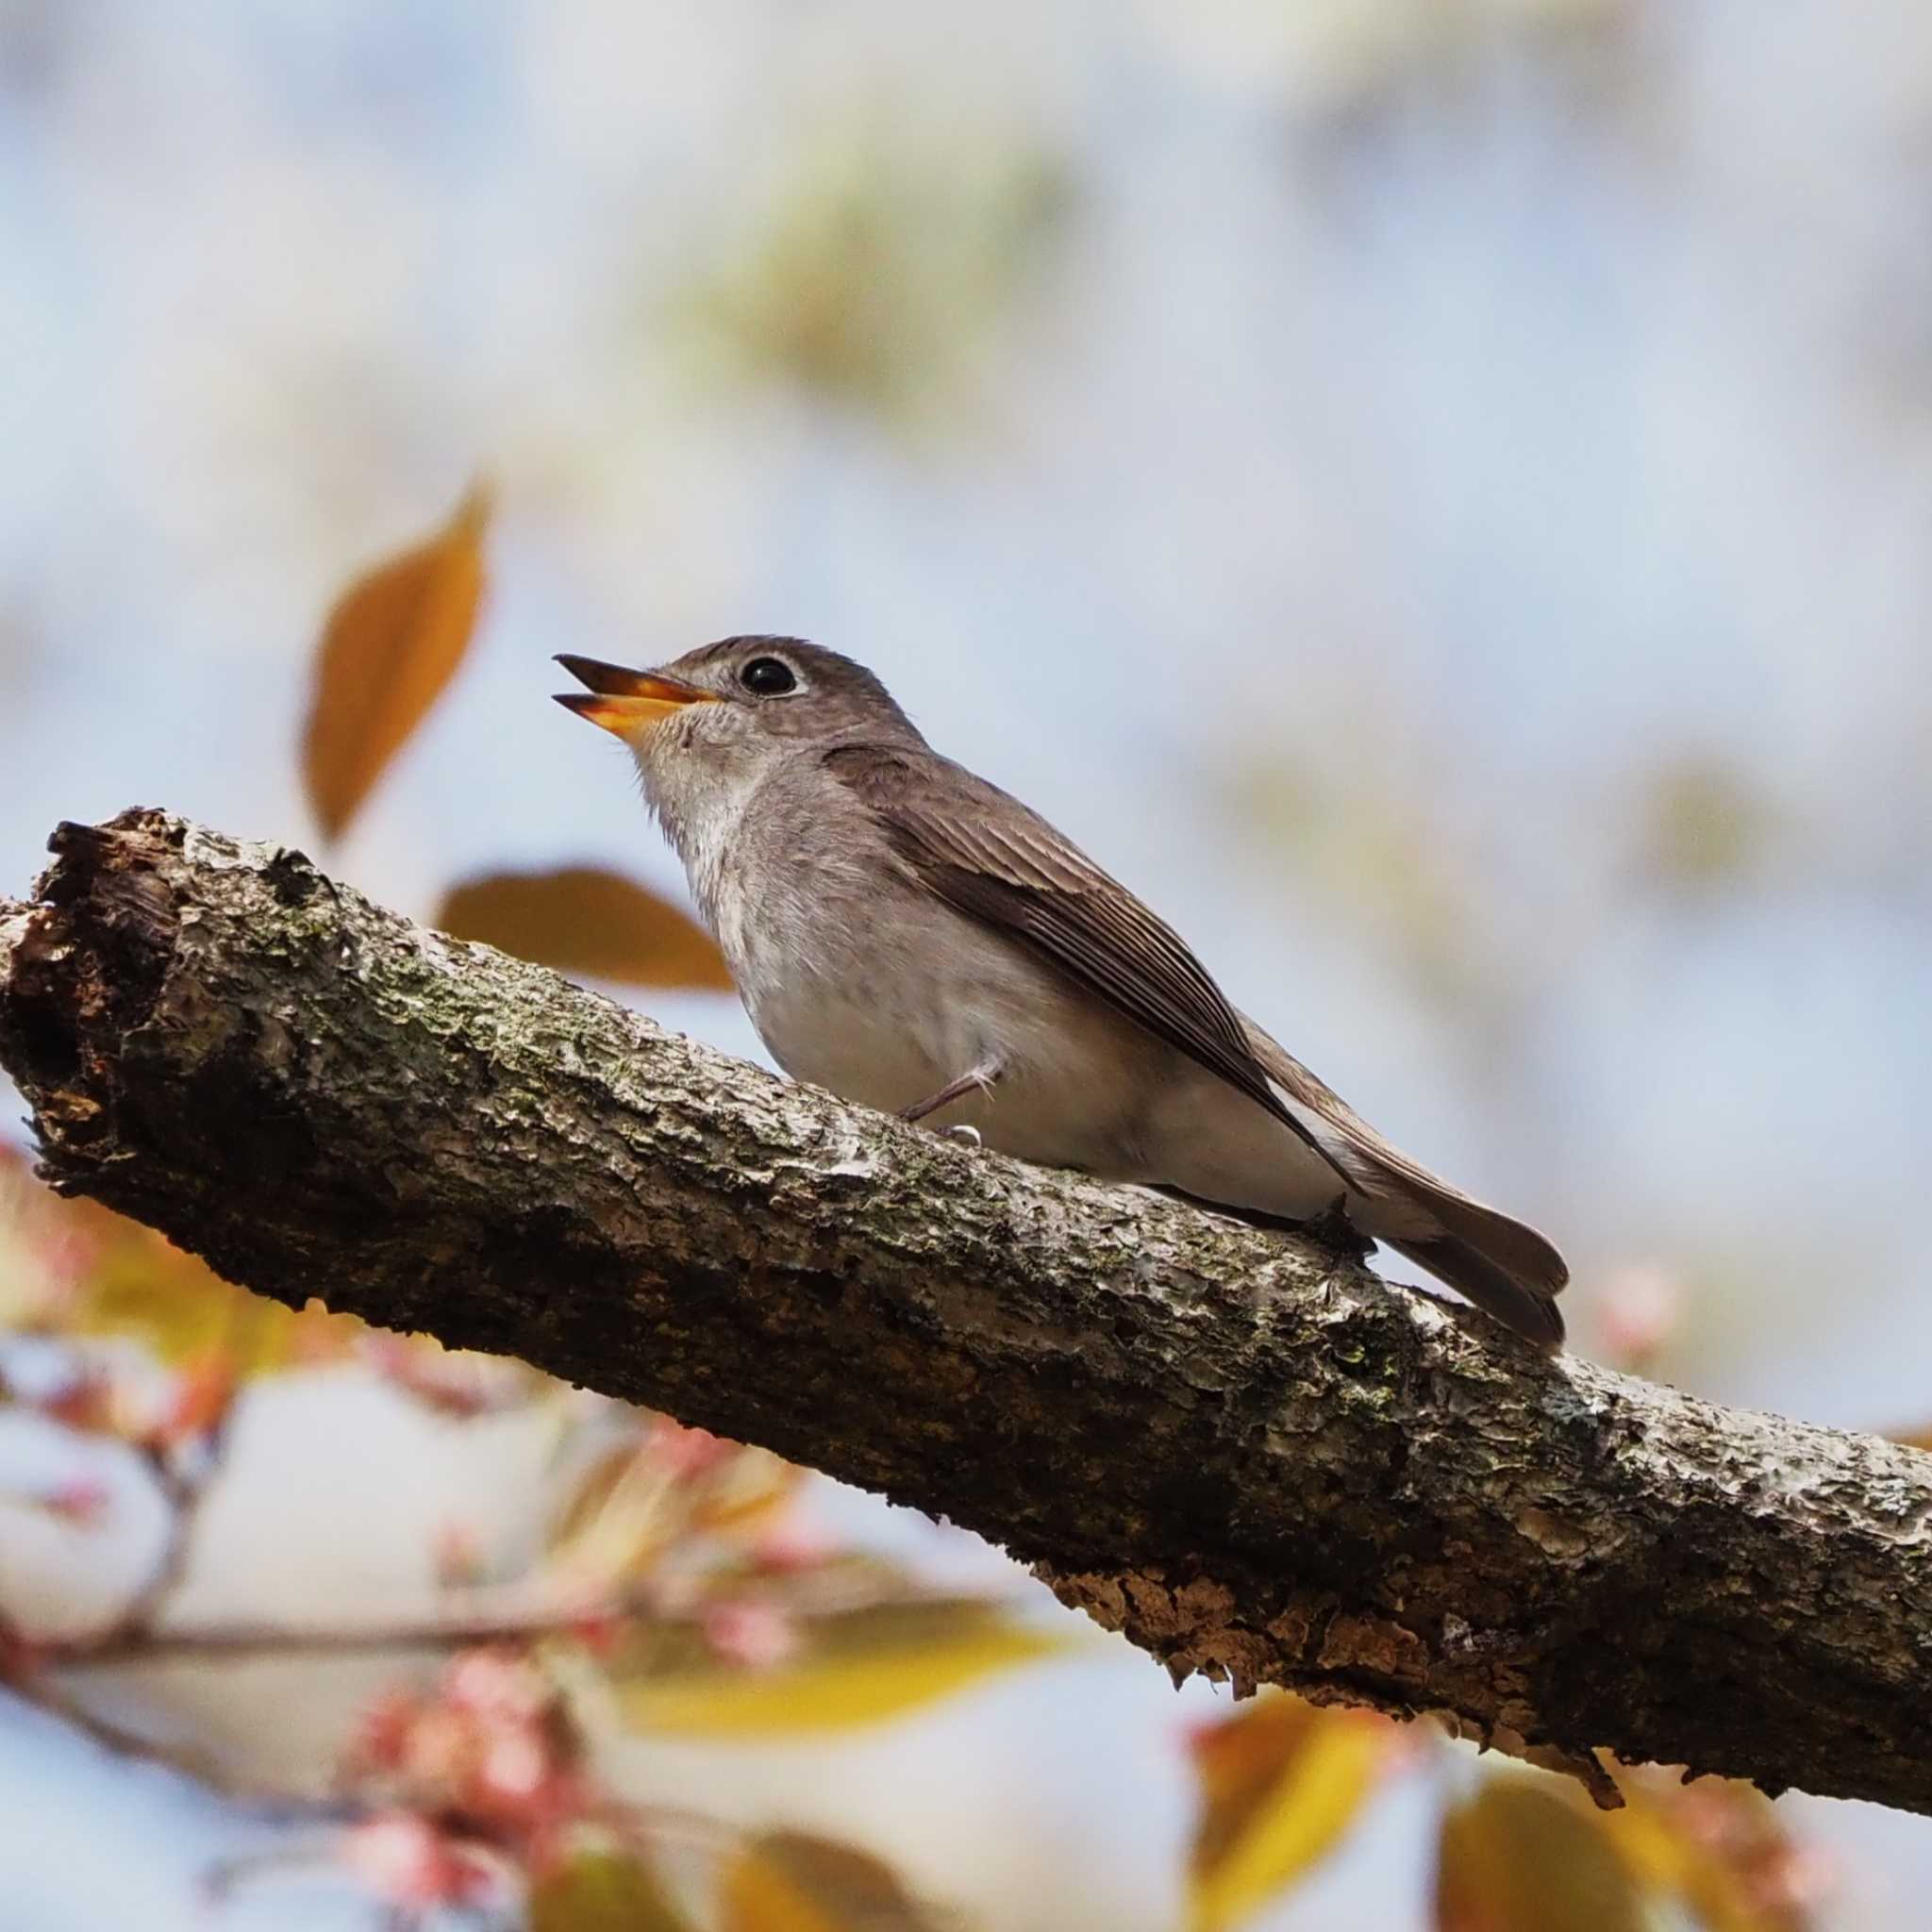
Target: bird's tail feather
[1502, 1265]
[1529, 1308]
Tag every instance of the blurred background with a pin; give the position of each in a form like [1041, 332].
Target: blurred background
[1431, 492]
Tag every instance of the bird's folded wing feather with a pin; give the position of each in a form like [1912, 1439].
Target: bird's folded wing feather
[1378, 1167]
[989, 857]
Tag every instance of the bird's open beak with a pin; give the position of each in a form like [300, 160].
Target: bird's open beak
[622, 700]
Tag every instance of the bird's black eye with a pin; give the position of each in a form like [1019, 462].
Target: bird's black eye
[770, 677]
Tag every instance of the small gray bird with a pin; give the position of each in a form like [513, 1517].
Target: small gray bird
[914, 939]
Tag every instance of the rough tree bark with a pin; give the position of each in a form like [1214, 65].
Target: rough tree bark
[1237, 1446]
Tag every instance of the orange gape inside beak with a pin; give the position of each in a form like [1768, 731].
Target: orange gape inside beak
[622, 700]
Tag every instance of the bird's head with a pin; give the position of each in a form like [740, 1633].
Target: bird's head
[735, 704]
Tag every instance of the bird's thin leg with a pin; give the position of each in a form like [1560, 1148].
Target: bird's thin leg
[980, 1078]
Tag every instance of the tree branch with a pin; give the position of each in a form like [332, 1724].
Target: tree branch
[1235, 1446]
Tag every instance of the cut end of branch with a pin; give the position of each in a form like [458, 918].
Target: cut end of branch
[80, 970]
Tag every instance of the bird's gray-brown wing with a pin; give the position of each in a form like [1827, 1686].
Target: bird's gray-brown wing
[990, 858]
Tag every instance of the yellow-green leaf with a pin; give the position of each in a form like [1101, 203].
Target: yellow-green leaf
[602, 1891]
[583, 920]
[634, 1500]
[1281, 1781]
[391, 645]
[181, 1310]
[856, 1668]
[1519, 1857]
[789, 1881]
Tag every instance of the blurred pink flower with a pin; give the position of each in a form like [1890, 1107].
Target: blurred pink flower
[496, 1682]
[686, 1452]
[457, 1554]
[1638, 1309]
[758, 1636]
[793, 1544]
[81, 1500]
[406, 1859]
[516, 1765]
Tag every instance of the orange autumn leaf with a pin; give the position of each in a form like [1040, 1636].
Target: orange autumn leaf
[391, 645]
[583, 920]
[204, 1390]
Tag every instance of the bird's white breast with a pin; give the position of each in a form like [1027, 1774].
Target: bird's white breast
[866, 985]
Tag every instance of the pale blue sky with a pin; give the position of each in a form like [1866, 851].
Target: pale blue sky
[1374, 485]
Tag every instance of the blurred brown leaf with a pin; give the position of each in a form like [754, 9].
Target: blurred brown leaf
[602, 1891]
[882, 264]
[391, 645]
[586, 921]
[1534, 1855]
[855, 1668]
[1520, 1856]
[789, 1881]
[1280, 1783]
[1716, 1848]
[1703, 824]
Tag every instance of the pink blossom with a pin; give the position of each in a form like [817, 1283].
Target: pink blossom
[408, 1861]
[81, 1500]
[687, 1453]
[793, 1544]
[459, 1554]
[758, 1636]
[497, 1683]
[516, 1765]
[1638, 1313]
